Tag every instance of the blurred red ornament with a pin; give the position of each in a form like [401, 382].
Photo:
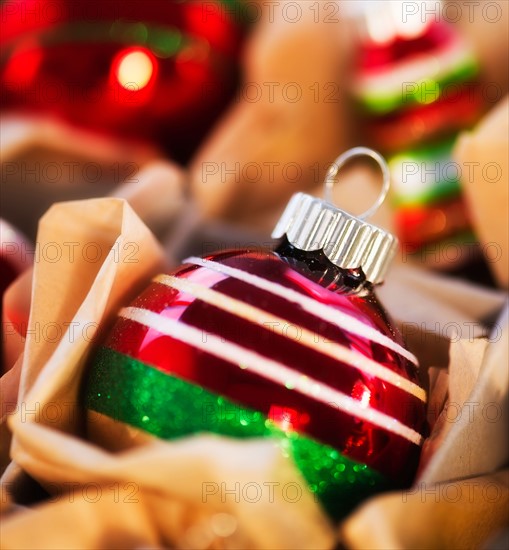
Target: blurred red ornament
[152, 70]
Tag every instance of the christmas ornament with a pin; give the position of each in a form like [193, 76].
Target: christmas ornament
[152, 70]
[415, 86]
[289, 344]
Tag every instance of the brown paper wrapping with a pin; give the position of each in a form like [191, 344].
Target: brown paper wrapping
[153, 495]
[483, 156]
[460, 515]
[47, 160]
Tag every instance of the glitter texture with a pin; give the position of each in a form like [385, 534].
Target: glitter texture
[169, 407]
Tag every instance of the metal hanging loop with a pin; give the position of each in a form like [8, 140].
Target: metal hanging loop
[331, 178]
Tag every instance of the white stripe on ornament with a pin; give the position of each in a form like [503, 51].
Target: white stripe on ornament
[268, 369]
[329, 314]
[280, 326]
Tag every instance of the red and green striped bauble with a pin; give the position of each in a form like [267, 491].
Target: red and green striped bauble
[241, 344]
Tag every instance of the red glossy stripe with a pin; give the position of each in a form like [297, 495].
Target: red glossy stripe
[287, 350]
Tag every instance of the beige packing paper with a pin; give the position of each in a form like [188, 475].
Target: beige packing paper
[459, 515]
[483, 157]
[49, 160]
[45, 160]
[152, 495]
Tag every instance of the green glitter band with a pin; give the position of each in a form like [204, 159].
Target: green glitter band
[168, 407]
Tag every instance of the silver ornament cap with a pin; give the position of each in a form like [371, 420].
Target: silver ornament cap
[349, 242]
